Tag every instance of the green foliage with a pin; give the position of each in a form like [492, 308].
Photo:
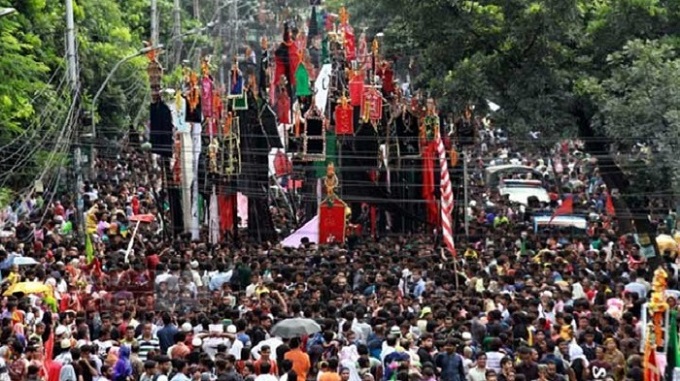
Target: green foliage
[548, 63]
[36, 99]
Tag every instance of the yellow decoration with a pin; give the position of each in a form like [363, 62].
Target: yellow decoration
[344, 16]
[213, 150]
[375, 46]
[178, 100]
[194, 94]
[343, 101]
[205, 67]
[331, 181]
[657, 304]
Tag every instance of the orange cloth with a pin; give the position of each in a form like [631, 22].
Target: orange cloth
[329, 376]
[301, 363]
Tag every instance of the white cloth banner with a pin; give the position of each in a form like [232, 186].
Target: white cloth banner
[321, 86]
[187, 174]
[214, 218]
[196, 145]
[242, 209]
[178, 109]
[310, 230]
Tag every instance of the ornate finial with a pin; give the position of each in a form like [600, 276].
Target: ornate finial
[205, 66]
[343, 100]
[331, 181]
[151, 55]
[344, 16]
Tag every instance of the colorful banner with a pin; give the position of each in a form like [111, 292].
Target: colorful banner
[196, 154]
[371, 105]
[344, 120]
[207, 96]
[356, 89]
[321, 86]
[332, 221]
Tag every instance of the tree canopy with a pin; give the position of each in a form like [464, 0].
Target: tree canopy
[603, 70]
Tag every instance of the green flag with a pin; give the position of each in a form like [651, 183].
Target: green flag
[89, 249]
[672, 350]
[302, 88]
[331, 155]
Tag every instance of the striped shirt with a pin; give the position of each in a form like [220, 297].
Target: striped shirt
[146, 346]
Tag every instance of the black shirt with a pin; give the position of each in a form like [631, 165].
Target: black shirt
[529, 370]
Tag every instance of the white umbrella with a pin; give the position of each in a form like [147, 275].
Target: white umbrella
[24, 261]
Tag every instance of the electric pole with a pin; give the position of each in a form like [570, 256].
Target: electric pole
[71, 47]
[72, 58]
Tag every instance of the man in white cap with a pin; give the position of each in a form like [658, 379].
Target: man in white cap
[65, 356]
[195, 276]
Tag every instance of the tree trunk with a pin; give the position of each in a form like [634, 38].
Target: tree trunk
[629, 220]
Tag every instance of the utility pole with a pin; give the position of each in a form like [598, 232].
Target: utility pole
[71, 48]
[176, 33]
[154, 23]
[72, 59]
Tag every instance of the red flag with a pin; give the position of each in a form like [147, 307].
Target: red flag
[429, 151]
[356, 89]
[227, 205]
[566, 208]
[49, 349]
[350, 44]
[609, 205]
[344, 119]
[649, 364]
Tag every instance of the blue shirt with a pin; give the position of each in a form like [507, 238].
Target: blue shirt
[451, 366]
[166, 337]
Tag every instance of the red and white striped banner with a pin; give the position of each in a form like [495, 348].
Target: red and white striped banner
[446, 198]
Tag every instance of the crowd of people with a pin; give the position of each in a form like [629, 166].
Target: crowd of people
[516, 304]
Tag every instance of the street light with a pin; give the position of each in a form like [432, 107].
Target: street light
[108, 78]
[6, 11]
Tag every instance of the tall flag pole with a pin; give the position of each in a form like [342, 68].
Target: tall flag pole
[446, 198]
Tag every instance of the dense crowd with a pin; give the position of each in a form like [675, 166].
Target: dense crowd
[516, 304]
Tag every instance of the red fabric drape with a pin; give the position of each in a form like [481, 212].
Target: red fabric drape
[356, 90]
[609, 206]
[331, 222]
[283, 108]
[227, 205]
[280, 65]
[344, 120]
[49, 349]
[429, 152]
[350, 44]
[387, 76]
[566, 208]
[295, 59]
[374, 220]
[207, 96]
